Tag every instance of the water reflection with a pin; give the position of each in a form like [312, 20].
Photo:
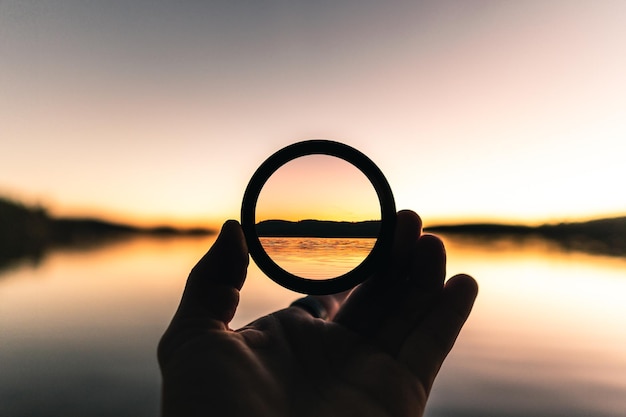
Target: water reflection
[79, 331]
[547, 337]
[318, 258]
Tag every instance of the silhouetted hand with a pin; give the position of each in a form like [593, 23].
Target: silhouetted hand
[376, 355]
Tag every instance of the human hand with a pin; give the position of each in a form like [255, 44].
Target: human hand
[377, 354]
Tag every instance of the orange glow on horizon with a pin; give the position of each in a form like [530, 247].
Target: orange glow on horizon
[318, 187]
[214, 221]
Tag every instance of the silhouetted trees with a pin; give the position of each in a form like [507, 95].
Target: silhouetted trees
[28, 231]
[318, 228]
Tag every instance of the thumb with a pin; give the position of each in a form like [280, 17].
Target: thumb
[211, 295]
[212, 290]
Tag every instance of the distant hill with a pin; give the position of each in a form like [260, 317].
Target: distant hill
[29, 231]
[602, 228]
[318, 228]
[69, 229]
[607, 236]
[598, 236]
[612, 230]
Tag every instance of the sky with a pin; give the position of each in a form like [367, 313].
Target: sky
[318, 187]
[159, 112]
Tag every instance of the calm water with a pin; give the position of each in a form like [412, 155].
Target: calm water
[78, 331]
[317, 258]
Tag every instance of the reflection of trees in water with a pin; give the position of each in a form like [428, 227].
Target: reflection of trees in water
[34, 253]
[590, 244]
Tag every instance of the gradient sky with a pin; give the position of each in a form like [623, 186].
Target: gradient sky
[153, 111]
[318, 187]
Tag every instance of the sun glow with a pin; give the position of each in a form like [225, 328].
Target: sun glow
[318, 187]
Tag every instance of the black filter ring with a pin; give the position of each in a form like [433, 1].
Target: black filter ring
[379, 254]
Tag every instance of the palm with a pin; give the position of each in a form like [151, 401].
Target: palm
[295, 364]
[378, 356]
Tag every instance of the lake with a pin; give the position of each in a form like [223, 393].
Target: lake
[317, 258]
[547, 337]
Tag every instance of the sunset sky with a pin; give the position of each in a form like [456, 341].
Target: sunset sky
[318, 187]
[159, 112]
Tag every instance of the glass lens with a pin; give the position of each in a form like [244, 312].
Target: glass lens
[318, 217]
